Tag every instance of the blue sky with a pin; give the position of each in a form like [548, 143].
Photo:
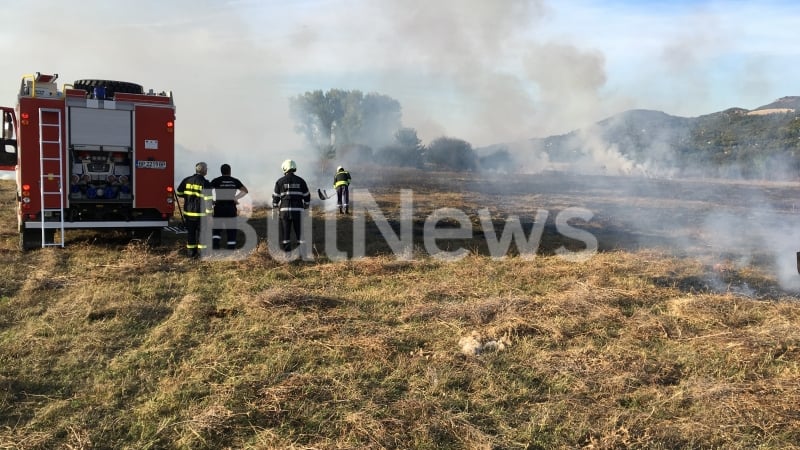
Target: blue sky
[484, 71]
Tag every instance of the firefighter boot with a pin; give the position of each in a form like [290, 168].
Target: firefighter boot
[347, 210]
[340, 210]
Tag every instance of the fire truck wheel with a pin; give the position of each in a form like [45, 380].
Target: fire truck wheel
[32, 239]
[110, 86]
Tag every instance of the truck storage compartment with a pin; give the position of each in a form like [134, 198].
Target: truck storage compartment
[100, 176]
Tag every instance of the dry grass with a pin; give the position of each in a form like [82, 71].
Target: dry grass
[107, 344]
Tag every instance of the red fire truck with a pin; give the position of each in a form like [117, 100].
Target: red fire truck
[96, 154]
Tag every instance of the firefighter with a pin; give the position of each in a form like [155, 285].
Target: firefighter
[292, 196]
[196, 193]
[341, 182]
[227, 192]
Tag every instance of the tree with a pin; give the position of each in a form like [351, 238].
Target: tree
[340, 119]
[380, 119]
[451, 153]
[406, 151]
[316, 114]
[499, 160]
[407, 137]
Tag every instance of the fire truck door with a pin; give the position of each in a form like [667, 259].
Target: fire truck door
[8, 141]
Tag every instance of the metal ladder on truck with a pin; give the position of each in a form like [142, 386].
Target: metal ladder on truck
[51, 153]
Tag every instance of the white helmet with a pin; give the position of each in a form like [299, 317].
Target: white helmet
[288, 165]
[339, 169]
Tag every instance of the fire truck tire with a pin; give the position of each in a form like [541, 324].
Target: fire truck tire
[111, 86]
[32, 239]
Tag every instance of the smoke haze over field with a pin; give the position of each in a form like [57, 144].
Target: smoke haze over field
[488, 72]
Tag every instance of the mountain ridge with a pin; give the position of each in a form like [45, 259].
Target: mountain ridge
[736, 142]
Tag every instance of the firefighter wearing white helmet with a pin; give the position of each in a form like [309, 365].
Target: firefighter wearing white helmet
[341, 182]
[288, 165]
[292, 197]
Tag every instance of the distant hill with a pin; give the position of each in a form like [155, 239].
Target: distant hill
[736, 142]
[782, 103]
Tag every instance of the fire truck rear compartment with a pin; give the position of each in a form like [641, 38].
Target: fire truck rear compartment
[100, 185]
[97, 155]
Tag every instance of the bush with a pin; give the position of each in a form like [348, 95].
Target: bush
[451, 153]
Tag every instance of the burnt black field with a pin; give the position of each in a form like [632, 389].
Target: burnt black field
[722, 223]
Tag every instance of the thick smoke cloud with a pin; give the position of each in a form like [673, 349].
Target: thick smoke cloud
[511, 85]
[474, 72]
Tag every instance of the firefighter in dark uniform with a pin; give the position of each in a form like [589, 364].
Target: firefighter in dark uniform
[196, 193]
[292, 196]
[341, 182]
[227, 192]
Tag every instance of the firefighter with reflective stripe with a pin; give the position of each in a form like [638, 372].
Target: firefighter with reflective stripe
[341, 182]
[227, 192]
[196, 193]
[292, 196]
